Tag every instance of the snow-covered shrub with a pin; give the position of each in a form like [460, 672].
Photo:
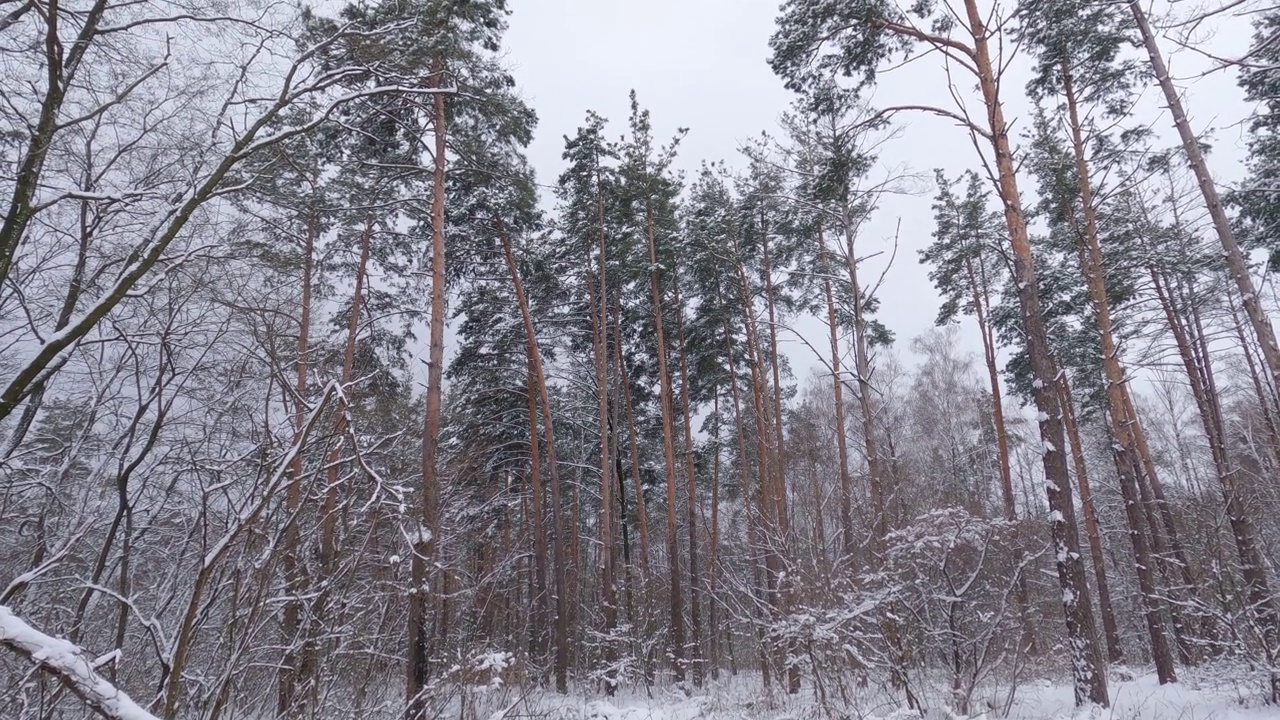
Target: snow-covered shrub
[955, 580]
[942, 593]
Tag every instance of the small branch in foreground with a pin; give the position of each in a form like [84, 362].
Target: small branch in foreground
[70, 664]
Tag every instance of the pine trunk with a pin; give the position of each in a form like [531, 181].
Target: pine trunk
[1086, 660]
[712, 570]
[766, 526]
[288, 675]
[847, 535]
[1115, 651]
[329, 512]
[1237, 264]
[862, 366]
[1263, 391]
[691, 507]
[669, 455]
[754, 544]
[1253, 570]
[561, 649]
[981, 306]
[1123, 430]
[625, 389]
[607, 581]
[424, 545]
[538, 598]
[783, 520]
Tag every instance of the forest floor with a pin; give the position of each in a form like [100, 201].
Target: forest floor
[1214, 693]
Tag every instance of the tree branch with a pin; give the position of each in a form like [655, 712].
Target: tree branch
[70, 664]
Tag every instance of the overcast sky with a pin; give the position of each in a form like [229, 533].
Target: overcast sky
[701, 64]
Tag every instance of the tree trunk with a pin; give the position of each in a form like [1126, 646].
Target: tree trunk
[328, 540]
[1143, 567]
[1123, 431]
[691, 507]
[1252, 564]
[712, 570]
[847, 536]
[329, 511]
[561, 662]
[538, 599]
[1086, 660]
[981, 312]
[1115, 651]
[607, 582]
[766, 526]
[1262, 390]
[424, 545]
[625, 388]
[779, 464]
[754, 542]
[981, 306]
[668, 453]
[295, 580]
[1237, 264]
[875, 469]
[862, 366]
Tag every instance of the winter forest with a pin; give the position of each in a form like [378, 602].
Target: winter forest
[319, 400]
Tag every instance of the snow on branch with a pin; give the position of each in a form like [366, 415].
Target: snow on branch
[70, 664]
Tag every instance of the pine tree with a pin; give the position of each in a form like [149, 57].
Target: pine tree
[1258, 197]
[863, 36]
[1078, 51]
[967, 270]
[652, 191]
[966, 267]
[449, 48]
[1234, 257]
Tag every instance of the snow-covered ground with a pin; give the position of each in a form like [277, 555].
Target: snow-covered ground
[1211, 694]
[1216, 693]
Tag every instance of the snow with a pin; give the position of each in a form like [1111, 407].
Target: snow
[1214, 692]
[1201, 696]
[1205, 694]
[418, 536]
[72, 665]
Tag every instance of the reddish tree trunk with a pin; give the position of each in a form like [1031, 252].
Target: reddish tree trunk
[1123, 431]
[607, 583]
[1086, 660]
[561, 649]
[754, 542]
[691, 506]
[668, 454]
[1115, 651]
[424, 546]
[848, 539]
[288, 676]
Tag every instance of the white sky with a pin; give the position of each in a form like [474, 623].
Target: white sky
[701, 64]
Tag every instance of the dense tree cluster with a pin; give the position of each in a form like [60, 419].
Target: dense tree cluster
[246, 471]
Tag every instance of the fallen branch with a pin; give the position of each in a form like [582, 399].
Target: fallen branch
[70, 664]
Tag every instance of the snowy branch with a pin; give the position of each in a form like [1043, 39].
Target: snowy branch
[70, 664]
